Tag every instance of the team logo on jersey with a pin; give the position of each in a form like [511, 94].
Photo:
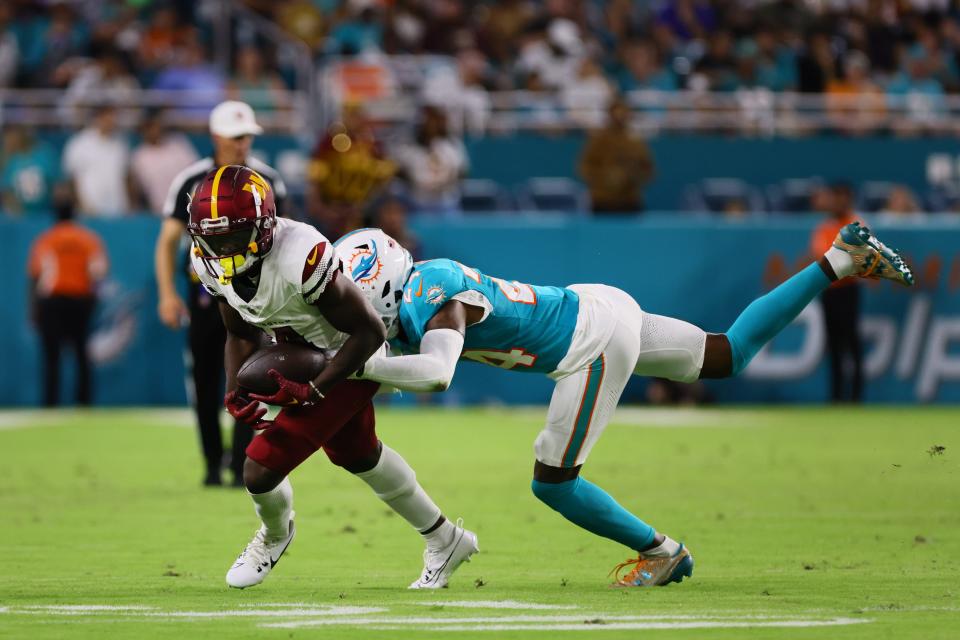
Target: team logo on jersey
[364, 264]
[436, 295]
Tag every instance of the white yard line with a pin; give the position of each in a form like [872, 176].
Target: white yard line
[16, 419]
[557, 623]
[641, 626]
[495, 604]
[298, 615]
[85, 608]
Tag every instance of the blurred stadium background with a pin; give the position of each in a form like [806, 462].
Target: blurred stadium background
[463, 128]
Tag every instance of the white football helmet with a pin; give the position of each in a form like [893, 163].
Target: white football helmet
[380, 267]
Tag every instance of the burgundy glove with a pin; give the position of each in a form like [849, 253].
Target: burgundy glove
[246, 410]
[290, 392]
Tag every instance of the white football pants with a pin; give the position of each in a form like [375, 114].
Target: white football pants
[643, 344]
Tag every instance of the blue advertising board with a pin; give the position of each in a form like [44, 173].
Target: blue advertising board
[701, 270]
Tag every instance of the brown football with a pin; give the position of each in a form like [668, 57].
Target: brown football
[297, 362]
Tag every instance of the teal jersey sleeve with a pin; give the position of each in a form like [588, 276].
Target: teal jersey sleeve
[431, 284]
[526, 328]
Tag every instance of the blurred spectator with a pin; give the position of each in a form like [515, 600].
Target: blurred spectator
[447, 30]
[253, 83]
[48, 43]
[816, 65]
[29, 171]
[159, 42]
[918, 93]
[433, 165]
[616, 164]
[855, 103]
[642, 68]
[688, 19]
[361, 32]
[776, 61]
[302, 19]
[96, 160]
[390, 214]
[66, 262]
[200, 84]
[501, 25]
[841, 301]
[553, 54]
[587, 97]
[405, 26]
[939, 64]
[900, 206]
[347, 170]
[9, 46]
[719, 64]
[461, 90]
[105, 79]
[157, 160]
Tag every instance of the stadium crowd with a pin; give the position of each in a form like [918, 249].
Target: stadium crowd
[577, 47]
[578, 54]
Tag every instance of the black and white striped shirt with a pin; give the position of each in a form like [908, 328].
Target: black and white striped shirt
[178, 197]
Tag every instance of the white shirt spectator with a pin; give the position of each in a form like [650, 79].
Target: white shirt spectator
[154, 166]
[467, 104]
[557, 59]
[97, 164]
[434, 172]
[586, 98]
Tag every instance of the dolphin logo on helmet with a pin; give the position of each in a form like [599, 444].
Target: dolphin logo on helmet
[379, 266]
[368, 262]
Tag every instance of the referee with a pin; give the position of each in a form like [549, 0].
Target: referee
[232, 128]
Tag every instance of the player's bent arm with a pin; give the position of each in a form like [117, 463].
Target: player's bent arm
[347, 310]
[432, 369]
[242, 340]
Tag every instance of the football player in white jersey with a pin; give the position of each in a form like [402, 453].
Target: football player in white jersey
[281, 277]
[590, 339]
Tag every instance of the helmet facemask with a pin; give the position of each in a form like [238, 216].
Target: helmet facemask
[228, 247]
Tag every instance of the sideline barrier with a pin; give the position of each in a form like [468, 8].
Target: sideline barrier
[704, 271]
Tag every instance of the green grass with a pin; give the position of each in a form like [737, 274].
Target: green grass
[802, 514]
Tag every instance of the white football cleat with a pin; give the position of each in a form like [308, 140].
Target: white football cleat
[259, 558]
[439, 565]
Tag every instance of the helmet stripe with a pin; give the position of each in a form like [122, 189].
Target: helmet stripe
[215, 190]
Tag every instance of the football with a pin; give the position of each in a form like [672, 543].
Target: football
[298, 362]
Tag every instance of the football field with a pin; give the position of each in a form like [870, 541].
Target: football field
[804, 523]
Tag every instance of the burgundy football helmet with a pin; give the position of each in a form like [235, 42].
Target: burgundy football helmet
[232, 218]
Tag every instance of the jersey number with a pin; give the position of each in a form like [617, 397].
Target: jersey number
[502, 359]
[513, 291]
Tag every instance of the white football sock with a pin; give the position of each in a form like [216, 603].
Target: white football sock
[274, 508]
[841, 261]
[441, 536]
[666, 549]
[395, 483]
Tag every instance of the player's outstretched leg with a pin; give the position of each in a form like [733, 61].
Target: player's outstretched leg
[660, 561]
[275, 508]
[582, 404]
[855, 252]
[448, 545]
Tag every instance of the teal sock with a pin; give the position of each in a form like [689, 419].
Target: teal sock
[587, 505]
[768, 315]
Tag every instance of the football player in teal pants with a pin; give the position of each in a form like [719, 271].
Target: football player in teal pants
[590, 339]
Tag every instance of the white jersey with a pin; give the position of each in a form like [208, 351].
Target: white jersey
[294, 273]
